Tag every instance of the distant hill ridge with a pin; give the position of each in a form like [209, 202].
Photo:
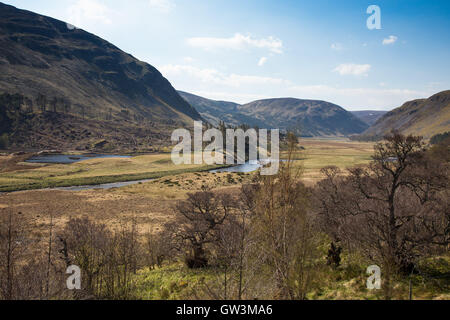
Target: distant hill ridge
[425, 117]
[306, 117]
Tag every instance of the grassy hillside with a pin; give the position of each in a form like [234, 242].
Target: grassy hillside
[215, 111]
[424, 117]
[21, 129]
[369, 116]
[67, 71]
[306, 117]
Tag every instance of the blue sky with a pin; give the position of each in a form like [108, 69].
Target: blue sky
[246, 50]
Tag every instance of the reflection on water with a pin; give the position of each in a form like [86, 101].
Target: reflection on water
[249, 166]
[67, 158]
[246, 167]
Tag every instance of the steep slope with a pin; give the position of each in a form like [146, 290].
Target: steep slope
[425, 117]
[369, 116]
[41, 55]
[215, 111]
[306, 117]
[23, 130]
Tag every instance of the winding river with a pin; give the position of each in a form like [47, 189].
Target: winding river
[247, 167]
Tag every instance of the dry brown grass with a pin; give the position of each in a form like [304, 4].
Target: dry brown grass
[11, 162]
[151, 204]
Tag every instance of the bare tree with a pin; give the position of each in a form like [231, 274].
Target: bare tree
[87, 244]
[54, 104]
[13, 246]
[49, 256]
[67, 105]
[160, 247]
[284, 229]
[41, 102]
[107, 258]
[203, 212]
[393, 209]
[29, 105]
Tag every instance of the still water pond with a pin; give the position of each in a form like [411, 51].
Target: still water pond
[67, 158]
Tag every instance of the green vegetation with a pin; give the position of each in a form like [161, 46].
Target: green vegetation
[4, 141]
[441, 137]
[199, 236]
[171, 282]
[175, 281]
[316, 155]
[96, 171]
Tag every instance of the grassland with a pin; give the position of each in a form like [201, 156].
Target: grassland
[152, 202]
[152, 205]
[94, 172]
[316, 155]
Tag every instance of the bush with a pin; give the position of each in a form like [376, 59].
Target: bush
[4, 141]
[438, 138]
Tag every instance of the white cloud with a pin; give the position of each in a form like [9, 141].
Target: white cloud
[390, 40]
[238, 80]
[213, 76]
[240, 88]
[353, 69]
[262, 61]
[358, 98]
[83, 11]
[204, 75]
[237, 42]
[161, 5]
[230, 96]
[337, 46]
[188, 59]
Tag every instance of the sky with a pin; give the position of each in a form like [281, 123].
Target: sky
[242, 51]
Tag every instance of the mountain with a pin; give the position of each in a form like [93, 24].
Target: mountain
[69, 71]
[424, 117]
[306, 117]
[369, 116]
[215, 111]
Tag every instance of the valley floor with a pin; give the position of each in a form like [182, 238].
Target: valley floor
[152, 204]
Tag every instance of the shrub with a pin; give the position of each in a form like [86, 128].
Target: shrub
[438, 138]
[4, 141]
